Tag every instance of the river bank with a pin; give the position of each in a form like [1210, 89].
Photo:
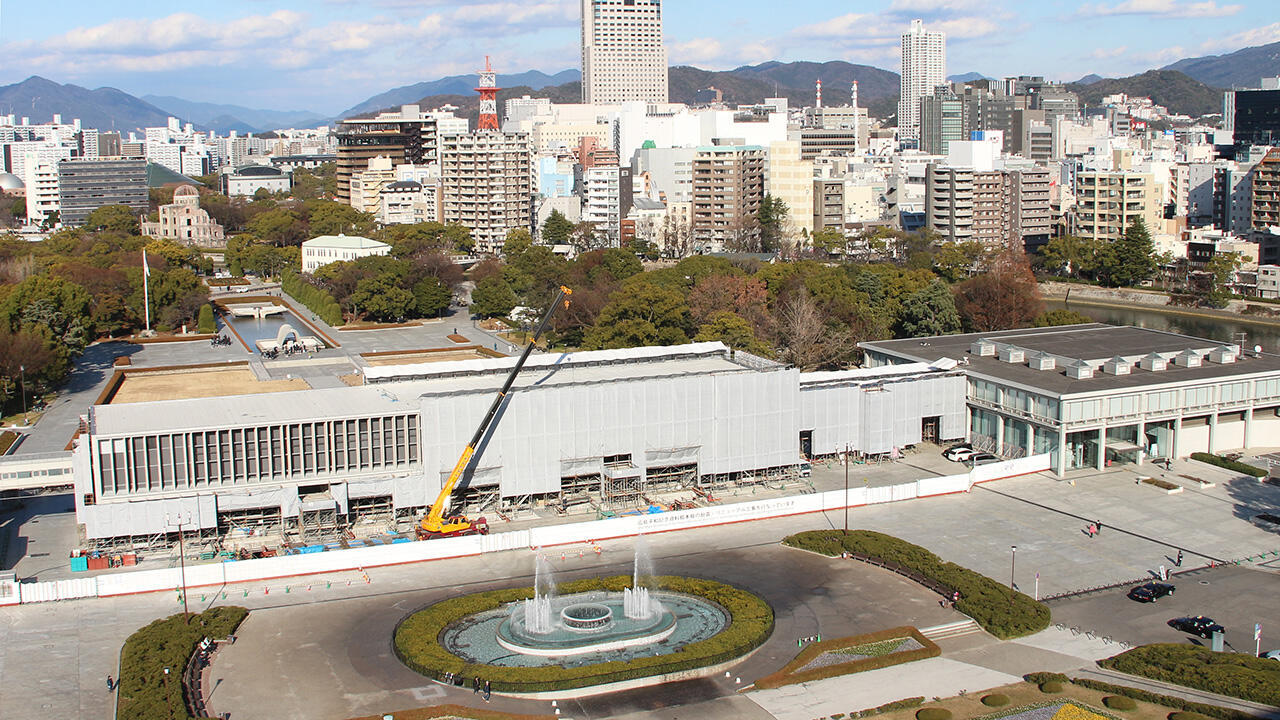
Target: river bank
[1218, 325]
[1245, 311]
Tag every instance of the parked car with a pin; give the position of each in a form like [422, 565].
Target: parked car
[1150, 592]
[1271, 655]
[958, 453]
[1267, 521]
[983, 458]
[1199, 626]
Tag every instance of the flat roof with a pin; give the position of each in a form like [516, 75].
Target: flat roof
[431, 380]
[345, 242]
[1093, 343]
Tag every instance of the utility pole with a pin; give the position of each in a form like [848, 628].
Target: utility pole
[22, 374]
[179, 522]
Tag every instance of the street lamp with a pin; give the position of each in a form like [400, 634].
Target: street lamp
[22, 374]
[182, 563]
[167, 698]
[1013, 556]
[846, 489]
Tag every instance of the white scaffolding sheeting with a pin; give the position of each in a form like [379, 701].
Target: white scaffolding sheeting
[873, 413]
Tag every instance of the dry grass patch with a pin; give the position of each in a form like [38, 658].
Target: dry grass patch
[198, 384]
[1022, 694]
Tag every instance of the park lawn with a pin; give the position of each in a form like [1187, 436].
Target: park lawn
[970, 707]
[7, 439]
[443, 712]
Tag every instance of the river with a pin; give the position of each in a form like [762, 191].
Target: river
[1266, 334]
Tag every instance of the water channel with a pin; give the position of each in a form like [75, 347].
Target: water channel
[1266, 334]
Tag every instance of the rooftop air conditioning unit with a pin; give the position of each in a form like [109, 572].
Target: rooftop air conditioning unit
[1153, 362]
[1188, 358]
[983, 348]
[1080, 370]
[1116, 366]
[1042, 361]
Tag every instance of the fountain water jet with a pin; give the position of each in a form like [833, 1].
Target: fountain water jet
[537, 609]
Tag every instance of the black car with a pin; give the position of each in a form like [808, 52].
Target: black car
[1199, 626]
[1150, 592]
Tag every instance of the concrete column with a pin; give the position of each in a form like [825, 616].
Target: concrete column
[1213, 433]
[1176, 443]
[1248, 428]
[999, 433]
[1101, 462]
[1142, 441]
[1062, 451]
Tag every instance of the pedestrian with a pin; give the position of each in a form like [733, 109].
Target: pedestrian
[1178, 560]
[111, 683]
[487, 693]
[475, 685]
[1091, 529]
[1097, 528]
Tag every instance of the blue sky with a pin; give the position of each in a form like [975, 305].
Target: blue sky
[326, 55]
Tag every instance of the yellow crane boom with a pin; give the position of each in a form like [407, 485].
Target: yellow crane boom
[435, 524]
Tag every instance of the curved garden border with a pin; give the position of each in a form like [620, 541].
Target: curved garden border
[416, 638]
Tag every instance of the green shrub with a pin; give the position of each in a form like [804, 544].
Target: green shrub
[205, 323]
[315, 299]
[1226, 464]
[168, 643]
[933, 713]
[981, 598]
[902, 704]
[995, 700]
[416, 640]
[1234, 674]
[1051, 687]
[1119, 702]
[1184, 715]
[1044, 677]
[1214, 711]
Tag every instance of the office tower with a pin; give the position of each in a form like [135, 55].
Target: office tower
[623, 58]
[1254, 115]
[924, 67]
[86, 185]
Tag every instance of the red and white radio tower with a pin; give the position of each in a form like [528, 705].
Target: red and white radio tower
[488, 97]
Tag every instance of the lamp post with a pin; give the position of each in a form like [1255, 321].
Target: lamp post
[22, 374]
[846, 489]
[1013, 557]
[167, 698]
[182, 562]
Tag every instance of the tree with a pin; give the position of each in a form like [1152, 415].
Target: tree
[732, 330]
[772, 218]
[51, 303]
[334, 218]
[829, 241]
[518, 240]
[556, 229]
[379, 298]
[727, 293]
[431, 297]
[638, 315]
[1130, 260]
[407, 241]
[492, 297]
[26, 353]
[930, 311]
[620, 263]
[458, 237]
[1071, 256]
[1003, 298]
[806, 337]
[206, 324]
[113, 218]
[1054, 318]
[1221, 270]
[280, 226]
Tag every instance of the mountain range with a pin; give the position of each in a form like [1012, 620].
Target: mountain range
[1191, 86]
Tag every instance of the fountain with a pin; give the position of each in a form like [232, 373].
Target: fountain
[587, 627]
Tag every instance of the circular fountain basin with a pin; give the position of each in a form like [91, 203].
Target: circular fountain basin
[589, 628]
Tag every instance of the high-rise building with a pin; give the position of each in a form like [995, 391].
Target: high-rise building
[1254, 115]
[86, 185]
[924, 67]
[408, 136]
[602, 201]
[486, 184]
[1107, 202]
[728, 187]
[1266, 191]
[998, 208]
[942, 120]
[623, 58]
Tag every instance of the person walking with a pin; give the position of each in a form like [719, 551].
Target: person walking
[475, 685]
[1097, 528]
[1178, 561]
[111, 683]
[1091, 530]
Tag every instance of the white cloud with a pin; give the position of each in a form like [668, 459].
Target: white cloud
[1252, 37]
[1164, 8]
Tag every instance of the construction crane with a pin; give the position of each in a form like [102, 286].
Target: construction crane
[436, 524]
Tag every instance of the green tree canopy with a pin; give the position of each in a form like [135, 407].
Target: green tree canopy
[556, 229]
[730, 329]
[431, 296]
[929, 311]
[113, 218]
[1130, 260]
[1062, 316]
[492, 297]
[641, 314]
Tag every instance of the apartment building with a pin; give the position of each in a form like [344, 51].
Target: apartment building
[406, 136]
[1107, 202]
[994, 207]
[728, 187]
[1266, 191]
[486, 184]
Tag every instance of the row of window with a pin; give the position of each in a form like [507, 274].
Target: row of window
[243, 456]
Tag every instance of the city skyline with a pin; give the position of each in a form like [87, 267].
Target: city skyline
[327, 56]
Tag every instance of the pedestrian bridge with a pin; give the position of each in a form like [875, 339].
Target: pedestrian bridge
[35, 471]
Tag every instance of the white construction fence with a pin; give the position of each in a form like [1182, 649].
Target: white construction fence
[228, 573]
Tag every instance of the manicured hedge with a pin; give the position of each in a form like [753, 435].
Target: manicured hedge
[981, 598]
[788, 675]
[1233, 674]
[316, 300]
[417, 637]
[995, 700]
[1051, 687]
[933, 713]
[1213, 711]
[1119, 702]
[167, 643]
[1226, 464]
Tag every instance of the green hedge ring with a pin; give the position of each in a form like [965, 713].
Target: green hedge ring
[416, 639]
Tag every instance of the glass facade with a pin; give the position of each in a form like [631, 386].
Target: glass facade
[253, 455]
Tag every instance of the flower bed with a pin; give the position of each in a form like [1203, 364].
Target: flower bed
[168, 643]
[981, 598]
[1215, 711]
[417, 644]
[1231, 465]
[860, 653]
[1165, 485]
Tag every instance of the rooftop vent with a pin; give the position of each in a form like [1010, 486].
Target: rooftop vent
[1153, 362]
[1188, 358]
[1042, 361]
[1011, 354]
[1116, 366]
[1224, 355]
[1080, 370]
[983, 348]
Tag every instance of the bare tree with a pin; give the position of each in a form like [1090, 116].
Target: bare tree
[804, 338]
[676, 238]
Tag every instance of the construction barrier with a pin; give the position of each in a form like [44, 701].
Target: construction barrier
[219, 575]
